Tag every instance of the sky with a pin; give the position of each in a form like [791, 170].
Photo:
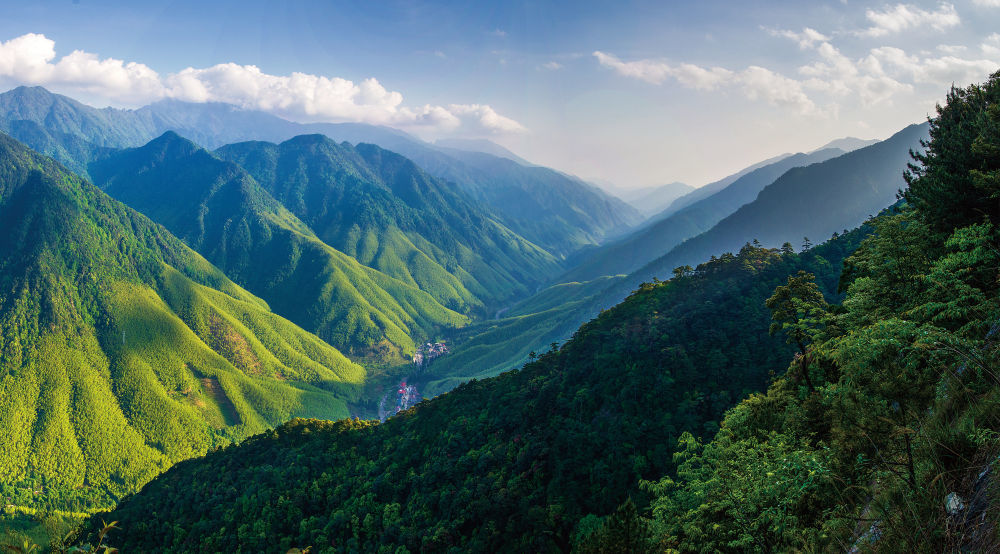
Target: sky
[633, 93]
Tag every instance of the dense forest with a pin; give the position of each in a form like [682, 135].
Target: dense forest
[878, 430]
[514, 463]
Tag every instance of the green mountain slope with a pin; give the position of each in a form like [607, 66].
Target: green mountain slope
[651, 242]
[122, 351]
[220, 211]
[509, 464]
[380, 208]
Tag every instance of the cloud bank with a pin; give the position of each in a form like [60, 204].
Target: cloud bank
[31, 60]
[832, 77]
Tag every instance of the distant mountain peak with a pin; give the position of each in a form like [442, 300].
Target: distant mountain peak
[483, 146]
[847, 144]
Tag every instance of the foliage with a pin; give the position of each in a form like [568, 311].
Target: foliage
[895, 445]
[511, 463]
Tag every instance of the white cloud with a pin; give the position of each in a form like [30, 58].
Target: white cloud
[987, 3]
[656, 72]
[28, 59]
[31, 60]
[991, 46]
[838, 75]
[952, 49]
[498, 32]
[485, 117]
[757, 83]
[551, 66]
[776, 89]
[806, 39]
[942, 71]
[901, 17]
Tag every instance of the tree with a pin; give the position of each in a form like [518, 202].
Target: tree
[957, 179]
[798, 309]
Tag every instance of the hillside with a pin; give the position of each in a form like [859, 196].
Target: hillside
[384, 211]
[123, 352]
[556, 211]
[512, 463]
[220, 211]
[882, 436]
[656, 239]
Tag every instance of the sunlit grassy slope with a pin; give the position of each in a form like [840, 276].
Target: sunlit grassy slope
[122, 351]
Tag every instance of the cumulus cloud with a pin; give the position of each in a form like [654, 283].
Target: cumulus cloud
[952, 49]
[806, 39]
[875, 78]
[987, 3]
[28, 59]
[31, 60]
[777, 90]
[901, 17]
[756, 82]
[656, 72]
[941, 71]
[991, 46]
[551, 66]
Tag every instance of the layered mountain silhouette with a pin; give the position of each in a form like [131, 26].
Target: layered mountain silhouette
[646, 244]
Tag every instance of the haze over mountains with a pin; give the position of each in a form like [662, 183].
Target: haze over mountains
[73, 133]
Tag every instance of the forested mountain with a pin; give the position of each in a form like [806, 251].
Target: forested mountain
[220, 211]
[384, 211]
[878, 430]
[652, 241]
[883, 433]
[122, 351]
[522, 462]
[813, 201]
[575, 214]
[556, 211]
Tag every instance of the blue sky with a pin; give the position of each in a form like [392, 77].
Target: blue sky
[636, 93]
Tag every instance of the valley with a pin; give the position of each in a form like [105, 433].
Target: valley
[247, 312]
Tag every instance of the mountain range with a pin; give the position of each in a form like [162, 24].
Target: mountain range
[218, 209]
[576, 214]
